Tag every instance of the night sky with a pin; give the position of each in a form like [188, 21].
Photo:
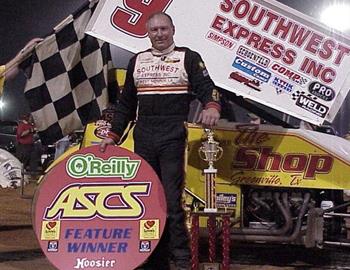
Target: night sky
[22, 20]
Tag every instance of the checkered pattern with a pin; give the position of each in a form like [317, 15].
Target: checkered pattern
[278, 90]
[298, 93]
[303, 81]
[282, 86]
[68, 86]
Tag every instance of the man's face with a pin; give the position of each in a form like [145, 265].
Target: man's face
[161, 32]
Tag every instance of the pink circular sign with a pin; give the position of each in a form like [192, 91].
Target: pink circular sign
[100, 210]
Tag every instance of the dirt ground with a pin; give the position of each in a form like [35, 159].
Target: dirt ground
[19, 248]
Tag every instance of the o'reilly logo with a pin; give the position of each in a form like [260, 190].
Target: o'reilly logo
[79, 166]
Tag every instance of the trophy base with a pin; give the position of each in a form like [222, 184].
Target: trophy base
[210, 266]
[210, 170]
[210, 210]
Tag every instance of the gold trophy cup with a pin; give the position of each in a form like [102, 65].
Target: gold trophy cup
[210, 151]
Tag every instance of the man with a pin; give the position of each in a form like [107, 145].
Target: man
[10, 69]
[25, 141]
[160, 83]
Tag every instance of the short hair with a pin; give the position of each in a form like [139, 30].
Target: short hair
[25, 116]
[160, 13]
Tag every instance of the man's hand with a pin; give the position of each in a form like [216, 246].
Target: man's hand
[28, 48]
[209, 117]
[104, 143]
[11, 68]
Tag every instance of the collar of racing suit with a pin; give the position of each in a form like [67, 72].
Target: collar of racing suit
[156, 52]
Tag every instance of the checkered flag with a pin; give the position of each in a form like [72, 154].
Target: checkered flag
[303, 81]
[298, 93]
[68, 85]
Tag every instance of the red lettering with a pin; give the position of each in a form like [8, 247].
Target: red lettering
[258, 19]
[318, 70]
[218, 23]
[264, 159]
[246, 158]
[310, 66]
[318, 165]
[242, 33]
[132, 19]
[265, 45]
[328, 75]
[289, 57]
[282, 29]
[295, 163]
[226, 6]
[342, 51]
[265, 156]
[277, 51]
[270, 18]
[254, 40]
[298, 35]
[248, 135]
[241, 9]
[327, 49]
[314, 43]
[230, 28]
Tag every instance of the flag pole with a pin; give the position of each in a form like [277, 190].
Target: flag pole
[21, 56]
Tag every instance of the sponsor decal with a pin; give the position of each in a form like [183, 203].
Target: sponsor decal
[296, 94]
[211, 266]
[264, 159]
[85, 201]
[103, 122]
[312, 106]
[88, 166]
[101, 132]
[89, 207]
[52, 246]
[322, 91]
[290, 74]
[282, 86]
[251, 69]
[254, 84]
[145, 246]
[169, 59]
[83, 263]
[50, 230]
[220, 40]
[203, 68]
[98, 240]
[215, 95]
[149, 229]
[253, 56]
[226, 200]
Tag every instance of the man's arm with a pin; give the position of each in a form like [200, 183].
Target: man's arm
[204, 89]
[2, 78]
[126, 108]
[27, 132]
[11, 67]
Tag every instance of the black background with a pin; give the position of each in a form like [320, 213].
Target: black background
[20, 21]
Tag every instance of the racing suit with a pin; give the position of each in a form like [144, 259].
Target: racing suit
[157, 94]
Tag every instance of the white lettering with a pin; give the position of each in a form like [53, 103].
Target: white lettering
[83, 263]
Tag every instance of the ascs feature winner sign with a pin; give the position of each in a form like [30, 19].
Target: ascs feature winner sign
[100, 210]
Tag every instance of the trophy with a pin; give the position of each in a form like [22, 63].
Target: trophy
[210, 151]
